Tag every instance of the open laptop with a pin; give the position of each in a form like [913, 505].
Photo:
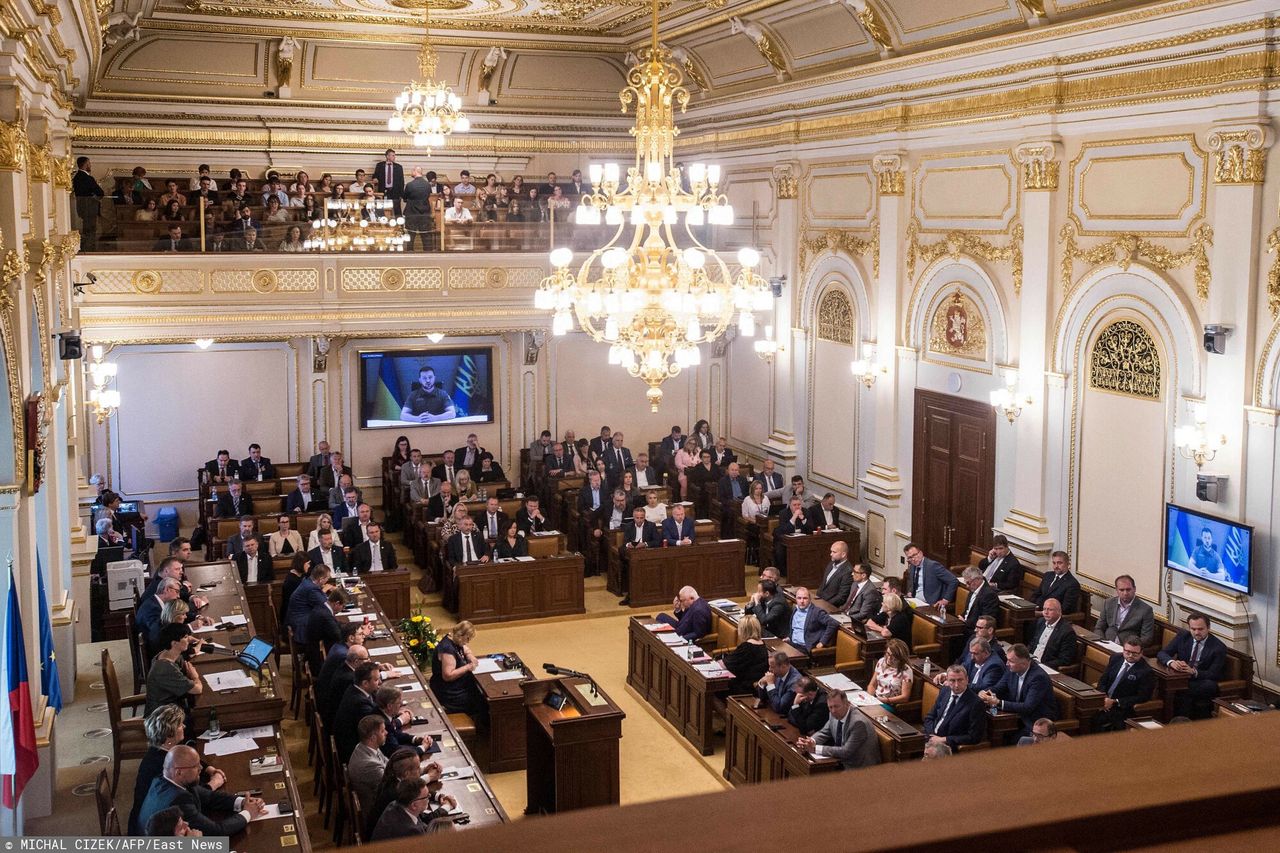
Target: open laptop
[255, 654]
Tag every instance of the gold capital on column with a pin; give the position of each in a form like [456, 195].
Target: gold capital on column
[785, 183]
[1239, 154]
[1039, 161]
[13, 141]
[891, 177]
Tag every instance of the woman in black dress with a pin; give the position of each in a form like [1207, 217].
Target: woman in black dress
[453, 679]
[749, 661]
[893, 621]
[511, 543]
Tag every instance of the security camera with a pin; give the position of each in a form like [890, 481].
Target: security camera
[1215, 338]
[79, 286]
[69, 345]
[1211, 488]
[776, 283]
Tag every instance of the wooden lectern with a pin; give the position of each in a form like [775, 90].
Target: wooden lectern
[573, 750]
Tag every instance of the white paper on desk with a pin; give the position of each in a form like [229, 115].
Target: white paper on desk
[861, 698]
[546, 533]
[384, 650]
[204, 629]
[394, 673]
[916, 602]
[658, 627]
[231, 680]
[524, 559]
[354, 617]
[723, 602]
[672, 639]
[236, 619]
[1150, 724]
[415, 687]
[256, 732]
[273, 812]
[1010, 597]
[838, 681]
[712, 670]
[728, 540]
[486, 665]
[1110, 646]
[230, 745]
[1050, 670]
[509, 675]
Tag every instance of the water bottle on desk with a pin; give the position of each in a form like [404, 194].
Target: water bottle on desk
[215, 728]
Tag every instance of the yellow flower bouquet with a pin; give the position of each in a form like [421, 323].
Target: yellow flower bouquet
[420, 638]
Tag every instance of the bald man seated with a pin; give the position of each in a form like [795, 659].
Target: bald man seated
[692, 617]
[211, 812]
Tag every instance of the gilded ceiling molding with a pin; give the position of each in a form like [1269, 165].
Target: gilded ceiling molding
[1039, 161]
[848, 242]
[1273, 274]
[1240, 154]
[1126, 249]
[13, 140]
[764, 43]
[957, 243]
[872, 23]
[891, 177]
[1035, 8]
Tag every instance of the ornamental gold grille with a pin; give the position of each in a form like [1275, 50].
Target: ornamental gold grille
[1125, 360]
[835, 317]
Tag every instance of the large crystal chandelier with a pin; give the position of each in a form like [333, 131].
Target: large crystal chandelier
[428, 111]
[652, 299]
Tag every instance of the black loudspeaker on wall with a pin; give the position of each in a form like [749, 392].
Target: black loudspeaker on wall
[69, 346]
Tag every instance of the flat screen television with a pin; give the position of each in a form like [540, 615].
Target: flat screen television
[1208, 548]
[400, 388]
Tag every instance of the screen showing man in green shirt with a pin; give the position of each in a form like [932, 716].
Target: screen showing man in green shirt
[427, 402]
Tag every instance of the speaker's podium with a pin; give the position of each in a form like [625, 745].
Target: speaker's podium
[572, 737]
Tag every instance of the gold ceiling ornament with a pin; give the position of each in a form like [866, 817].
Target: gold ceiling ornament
[428, 111]
[839, 240]
[1127, 249]
[872, 23]
[891, 178]
[13, 140]
[1039, 161]
[1240, 154]
[652, 300]
[1034, 7]
[957, 243]
[1273, 274]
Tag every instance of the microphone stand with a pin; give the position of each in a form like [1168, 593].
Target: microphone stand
[573, 673]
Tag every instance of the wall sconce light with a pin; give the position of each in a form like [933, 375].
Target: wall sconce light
[103, 400]
[435, 337]
[767, 346]
[867, 370]
[1195, 442]
[203, 343]
[1008, 401]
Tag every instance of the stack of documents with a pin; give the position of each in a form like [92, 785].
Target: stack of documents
[230, 745]
[486, 665]
[230, 680]
[714, 669]
[838, 681]
[862, 698]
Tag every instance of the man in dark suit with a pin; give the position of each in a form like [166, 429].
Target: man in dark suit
[639, 533]
[330, 476]
[175, 242]
[617, 459]
[647, 477]
[672, 443]
[958, 717]
[1001, 568]
[825, 515]
[1060, 584]
[390, 701]
[467, 545]
[983, 668]
[529, 518]
[593, 495]
[731, 489]
[442, 502]
[864, 596]
[254, 564]
[691, 616]
[211, 812]
[1025, 690]
[676, 529]
[390, 175]
[417, 210]
[595, 447]
[809, 710]
[1125, 613]
[326, 554]
[493, 521]
[1127, 681]
[557, 463]
[319, 460]
[244, 223]
[349, 508]
[329, 692]
[87, 192]
[355, 529]
[256, 466]
[234, 503]
[322, 626]
[447, 469]
[1197, 653]
[375, 554]
[837, 580]
[811, 628]
[308, 594]
[928, 580]
[772, 609]
[1052, 640]
[848, 735]
[794, 522]
[357, 703]
[983, 599]
[222, 468]
[773, 482]
[777, 689]
[302, 498]
[469, 455]
[146, 620]
[236, 542]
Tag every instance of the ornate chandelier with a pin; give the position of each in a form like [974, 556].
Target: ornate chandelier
[428, 111]
[343, 229]
[653, 300]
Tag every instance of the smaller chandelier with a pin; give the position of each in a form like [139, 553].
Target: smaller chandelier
[103, 401]
[428, 111]
[1008, 401]
[1196, 442]
[767, 347]
[343, 229]
[867, 370]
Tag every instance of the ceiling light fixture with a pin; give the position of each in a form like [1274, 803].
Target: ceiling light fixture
[428, 111]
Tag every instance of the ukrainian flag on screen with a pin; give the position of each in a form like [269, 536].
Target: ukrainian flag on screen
[464, 383]
[387, 399]
[1179, 552]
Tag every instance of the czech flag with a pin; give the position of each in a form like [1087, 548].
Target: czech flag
[18, 758]
[387, 399]
[50, 684]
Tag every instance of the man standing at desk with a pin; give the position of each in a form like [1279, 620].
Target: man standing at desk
[847, 736]
[692, 619]
[1196, 653]
[928, 580]
[794, 523]
[837, 580]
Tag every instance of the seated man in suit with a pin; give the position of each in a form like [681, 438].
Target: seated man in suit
[837, 580]
[1053, 640]
[424, 487]
[676, 529]
[811, 628]
[721, 455]
[447, 469]
[673, 442]
[356, 530]
[771, 607]
[467, 545]
[330, 476]
[1044, 730]
[147, 619]
[984, 630]
[637, 532]
[409, 814]
[597, 445]
[330, 557]
[338, 494]
[414, 469]
[349, 508]
[616, 459]
[222, 468]
[1025, 690]
[809, 711]
[236, 542]
[174, 242]
[319, 460]
[731, 489]
[1197, 653]
[257, 466]
[390, 702]
[368, 764]
[794, 522]
[469, 455]
[254, 564]
[1127, 681]
[1125, 613]
[234, 503]
[958, 717]
[211, 812]
[329, 692]
[612, 516]
[374, 554]
[983, 599]
[824, 515]
[929, 581]
[492, 522]
[593, 495]
[864, 597]
[557, 463]
[1060, 584]
[529, 518]
[772, 482]
[847, 736]
[442, 504]
[647, 477]
[1001, 568]
[285, 540]
[982, 667]
[777, 689]
[302, 498]
[692, 615]
[356, 704]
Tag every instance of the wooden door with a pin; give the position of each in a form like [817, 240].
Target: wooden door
[953, 487]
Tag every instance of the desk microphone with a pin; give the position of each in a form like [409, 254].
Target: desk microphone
[215, 648]
[559, 670]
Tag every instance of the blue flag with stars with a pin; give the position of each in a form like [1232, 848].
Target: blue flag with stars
[50, 686]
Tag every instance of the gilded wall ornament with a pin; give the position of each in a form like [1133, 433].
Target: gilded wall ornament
[63, 169]
[1126, 360]
[891, 177]
[1034, 7]
[1240, 155]
[957, 243]
[13, 142]
[872, 24]
[265, 281]
[835, 317]
[392, 278]
[147, 281]
[1273, 274]
[785, 183]
[1127, 249]
[1039, 161]
[957, 328]
[40, 162]
[848, 242]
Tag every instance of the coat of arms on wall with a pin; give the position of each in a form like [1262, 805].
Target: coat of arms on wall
[957, 328]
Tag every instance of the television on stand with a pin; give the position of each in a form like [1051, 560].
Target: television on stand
[1208, 548]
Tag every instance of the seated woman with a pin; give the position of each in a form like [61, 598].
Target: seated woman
[487, 197]
[453, 679]
[892, 622]
[292, 241]
[685, 458]
[756, 502]
[274, 212]
[654, 511]
[891, 682]
[463, 487]
[301, 184]
[749, 661]
[172, 679]
[559, 205]
[148, 213]
[310, 209]
[628, 485]
[323, 525]
[511, 544]
[173, 212]
[165, 728]
[453, 523]
[581, 456]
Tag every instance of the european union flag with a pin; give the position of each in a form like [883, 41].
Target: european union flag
[50, 685]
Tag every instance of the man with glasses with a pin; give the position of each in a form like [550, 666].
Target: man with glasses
[408, 815]
[1045, 730]
[179, 785]
[1127, 681]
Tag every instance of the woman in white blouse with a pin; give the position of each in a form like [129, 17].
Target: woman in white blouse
[755, 503]
[325, 523]
[654, 511]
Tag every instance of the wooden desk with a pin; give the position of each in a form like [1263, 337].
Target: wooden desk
[944, 629]
[1233, 708]
[502, 591]
[809, 556]
[714, 569]
[392, 591]
[505, 748]
[1016, 613]
[760, 746]
[572, 752]
[1095, 657]
[277, 787]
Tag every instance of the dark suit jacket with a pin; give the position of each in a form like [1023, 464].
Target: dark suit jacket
[1062, 649]
[354, 706]
[809, 717]
[861, 747]
[322, 628]
[197, 804]
[835, 589]
[774, 614]
[164, 244]
[557, 465]
[331, 697]
[149, 769]
[417, 196]
[503, 550]
[696, 621]
[771, 482]
[296, 503]
[395, 822]
[984, 602]
[392, 190]
[460, 455]
[965, 723]
[326, 477]
[938, 582]
[818, 519]
[1213, 655]
[865, 603]
[649, 535]
[303, 599]
[526, 526]
[611, 466]
[1066, 589]
[439, 471]
[595, 447]
[784, 692]
[651, 476]
[249, 469]
[229, 509]
[266, 569]
[786, 527]
[722, 460]
[1008, 577]
[993, 669]
[818, 628]
[315, 465]
[1138, 684]
[479, 546]
[350, 534]
[147, 621]
[1036, 700]
[673, 534]
[361, 557]
[585, 497]
[436, 506]
[725, 491]
[482, 523]
[339, 558]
